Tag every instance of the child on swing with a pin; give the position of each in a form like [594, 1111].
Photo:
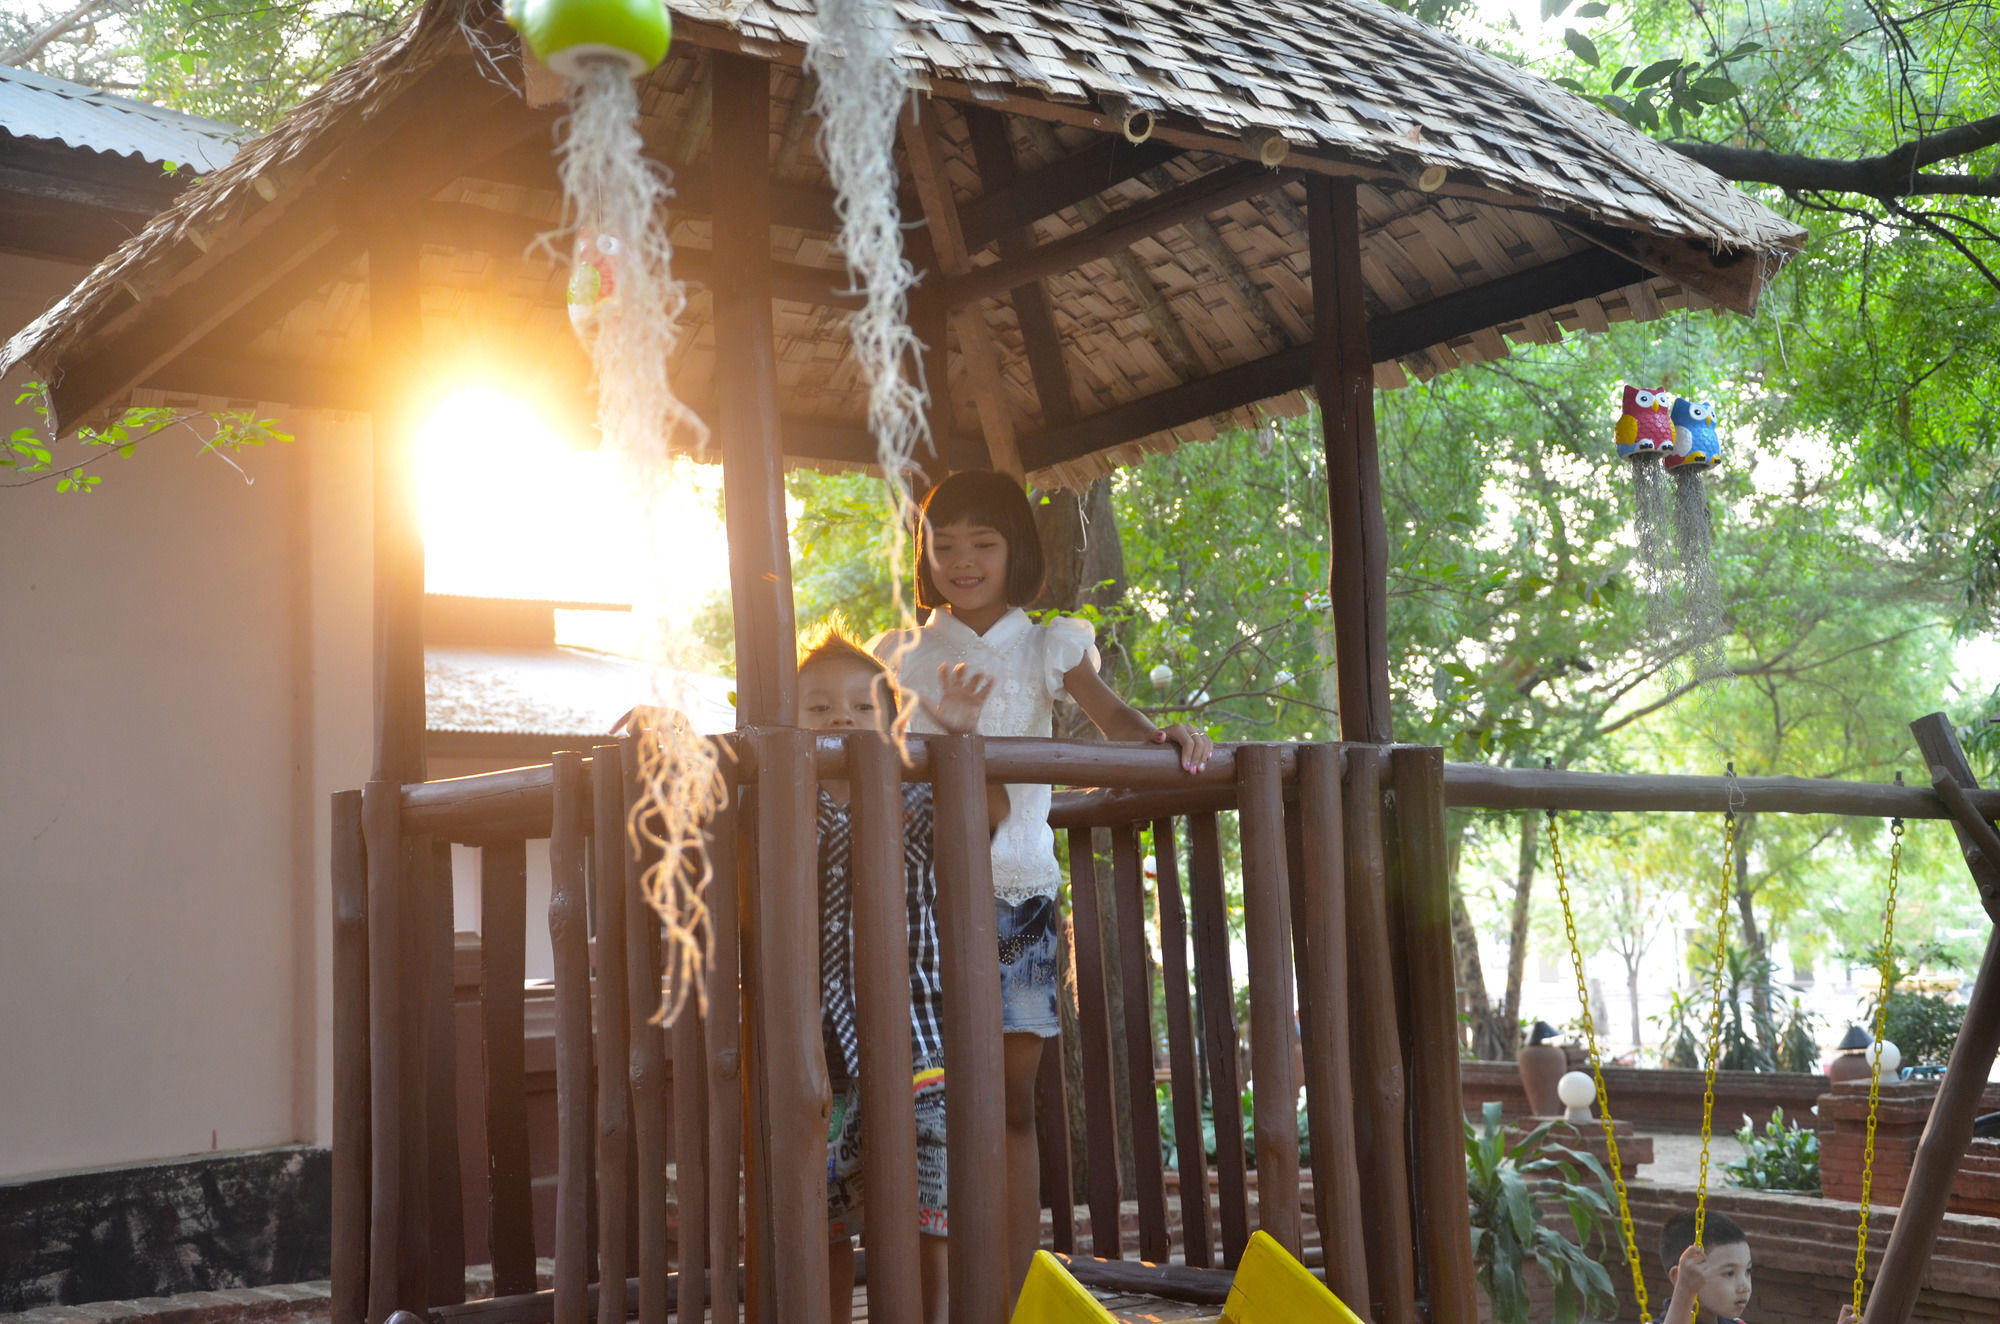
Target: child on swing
[978, 563]
[842, 688]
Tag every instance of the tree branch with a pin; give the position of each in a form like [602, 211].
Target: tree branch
[68, 23]
[1891, 175]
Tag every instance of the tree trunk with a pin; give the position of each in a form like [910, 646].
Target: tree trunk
[1632, 997]
[1487, 1043]
[1517, 935]
[1753, 936]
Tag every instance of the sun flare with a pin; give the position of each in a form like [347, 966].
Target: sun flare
[511, 509]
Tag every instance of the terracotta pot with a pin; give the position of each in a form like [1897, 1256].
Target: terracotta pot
[1848, 1066]
[1541, 1066]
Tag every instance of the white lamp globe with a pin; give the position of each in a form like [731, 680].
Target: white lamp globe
[1161, 676]
[1282, 679]
[1577, 1090]
[1892, 1058]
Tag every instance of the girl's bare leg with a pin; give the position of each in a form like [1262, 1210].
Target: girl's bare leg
[840, 1281]
[1023, 1057]
[931, 1267]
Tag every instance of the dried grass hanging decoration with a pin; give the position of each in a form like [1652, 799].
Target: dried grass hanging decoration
[859, 99]
[626, 307]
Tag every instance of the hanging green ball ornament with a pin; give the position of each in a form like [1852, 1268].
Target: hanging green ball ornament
[568, 34]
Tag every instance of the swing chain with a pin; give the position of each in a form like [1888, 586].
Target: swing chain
[1597, 1074]
[1723, 888]
[1875, 1063]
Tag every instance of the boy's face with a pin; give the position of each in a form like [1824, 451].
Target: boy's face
[844, 694]
[1726, 1274]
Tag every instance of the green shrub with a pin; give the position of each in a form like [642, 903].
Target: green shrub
[1923, 1025]
[1784, 1158]
[1502, 1182]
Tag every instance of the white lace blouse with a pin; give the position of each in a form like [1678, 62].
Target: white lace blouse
[1027, 663]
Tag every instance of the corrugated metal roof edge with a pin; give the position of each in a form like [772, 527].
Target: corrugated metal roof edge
[222, 138]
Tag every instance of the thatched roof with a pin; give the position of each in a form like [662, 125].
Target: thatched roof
[1492, 204]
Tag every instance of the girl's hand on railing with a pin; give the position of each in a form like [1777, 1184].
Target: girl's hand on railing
[1195, 747]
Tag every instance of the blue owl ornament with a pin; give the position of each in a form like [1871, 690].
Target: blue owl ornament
[1696, 445]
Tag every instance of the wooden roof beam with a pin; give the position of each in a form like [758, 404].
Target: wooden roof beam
[447, 115]
[1582, 275]
[1194, 199]
[1064, 182]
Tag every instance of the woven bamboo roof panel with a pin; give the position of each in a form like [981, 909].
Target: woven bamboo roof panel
[1533, 177]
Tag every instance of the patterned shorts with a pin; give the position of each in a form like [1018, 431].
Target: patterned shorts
[845, 1205]
[1028, 972]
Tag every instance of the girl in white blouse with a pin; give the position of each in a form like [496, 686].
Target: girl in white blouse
[978, 563]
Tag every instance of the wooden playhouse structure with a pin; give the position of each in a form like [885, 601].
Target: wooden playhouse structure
[1138, 218]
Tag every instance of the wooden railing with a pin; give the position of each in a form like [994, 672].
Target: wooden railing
[1345, 928]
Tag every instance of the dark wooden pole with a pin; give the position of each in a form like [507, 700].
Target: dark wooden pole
[395, 318]
[350, 1062]
[797, 1094]
[503, 923]
[614, 1022]
[446, 1196]
[1323, 1008]
[1189, 1159]
[1344, 380]
[381, 820]
[1093, 1017]
[1949, 1128]
[975, 1093]
[1267, 938]
[569, 938]
[760, 568]
[1437, 1113]
[882, 1018]
[1134, 979]
[723, 1043]
[1218, 1014]
[1380, 1120]
[646, 1064]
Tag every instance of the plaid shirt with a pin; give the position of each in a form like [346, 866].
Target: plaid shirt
[836, 933]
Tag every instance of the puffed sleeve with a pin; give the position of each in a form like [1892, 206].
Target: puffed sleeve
[1066, 641]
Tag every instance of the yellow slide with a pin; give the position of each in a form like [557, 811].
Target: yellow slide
[1273, 1288]
[1051, 1296]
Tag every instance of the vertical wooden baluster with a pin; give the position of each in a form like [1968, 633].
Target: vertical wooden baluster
[881, 938]
[414, 1284]
[1093, 1016]
[1321, 940]
[1267, 938]
[1379, 1115]
[614, 1029]
[569, 939]
[1437, 1110]
[1052, 1116]
[447, 1188]
[1189, 1159]
[1218, 1010]
[1138, 1008]
[723, 1042]
[759, 1284]
[646, 1065]
[975, 1102]
[350, 1062]
[797, 1092]
[382, 831]
[690, 1090]
[503, 916]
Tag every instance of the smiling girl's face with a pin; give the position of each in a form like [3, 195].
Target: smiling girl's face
[968, 563]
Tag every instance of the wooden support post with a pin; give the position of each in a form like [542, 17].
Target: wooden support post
[1437, 1112]
[569, 937]
[1189, 1160]
[882, 1020]
[1344, 380]
[446, 1198]
[925, 152]
[1052, 1121]
[613, 1022]
[503, 919]
[646, 1063]
[395, 317]
[1218, 1014]
[1267, 938]
[1949, 1129]
[1321, 937]
[1380, 1119]
[747, 411]
[1138, 1008]
[723, 1043]
[980, 1257]
[382, 830]
[350, 1062]
[796, 1091]
[1093, 1016]
[689, 1078]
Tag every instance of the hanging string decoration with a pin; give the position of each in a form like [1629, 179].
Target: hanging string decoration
[859, 99]
[626, 307]
[1695, 449]
[1643, 434]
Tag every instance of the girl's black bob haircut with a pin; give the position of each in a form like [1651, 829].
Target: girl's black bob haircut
[997, 501]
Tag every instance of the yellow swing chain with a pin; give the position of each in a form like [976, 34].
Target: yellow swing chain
[1597, 1073]
[1875, 1063]
[1724, 886]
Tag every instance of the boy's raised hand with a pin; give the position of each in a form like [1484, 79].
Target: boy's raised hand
[962, 695]
[1689, 1284]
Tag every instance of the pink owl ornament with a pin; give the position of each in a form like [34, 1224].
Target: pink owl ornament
[1646, 428]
